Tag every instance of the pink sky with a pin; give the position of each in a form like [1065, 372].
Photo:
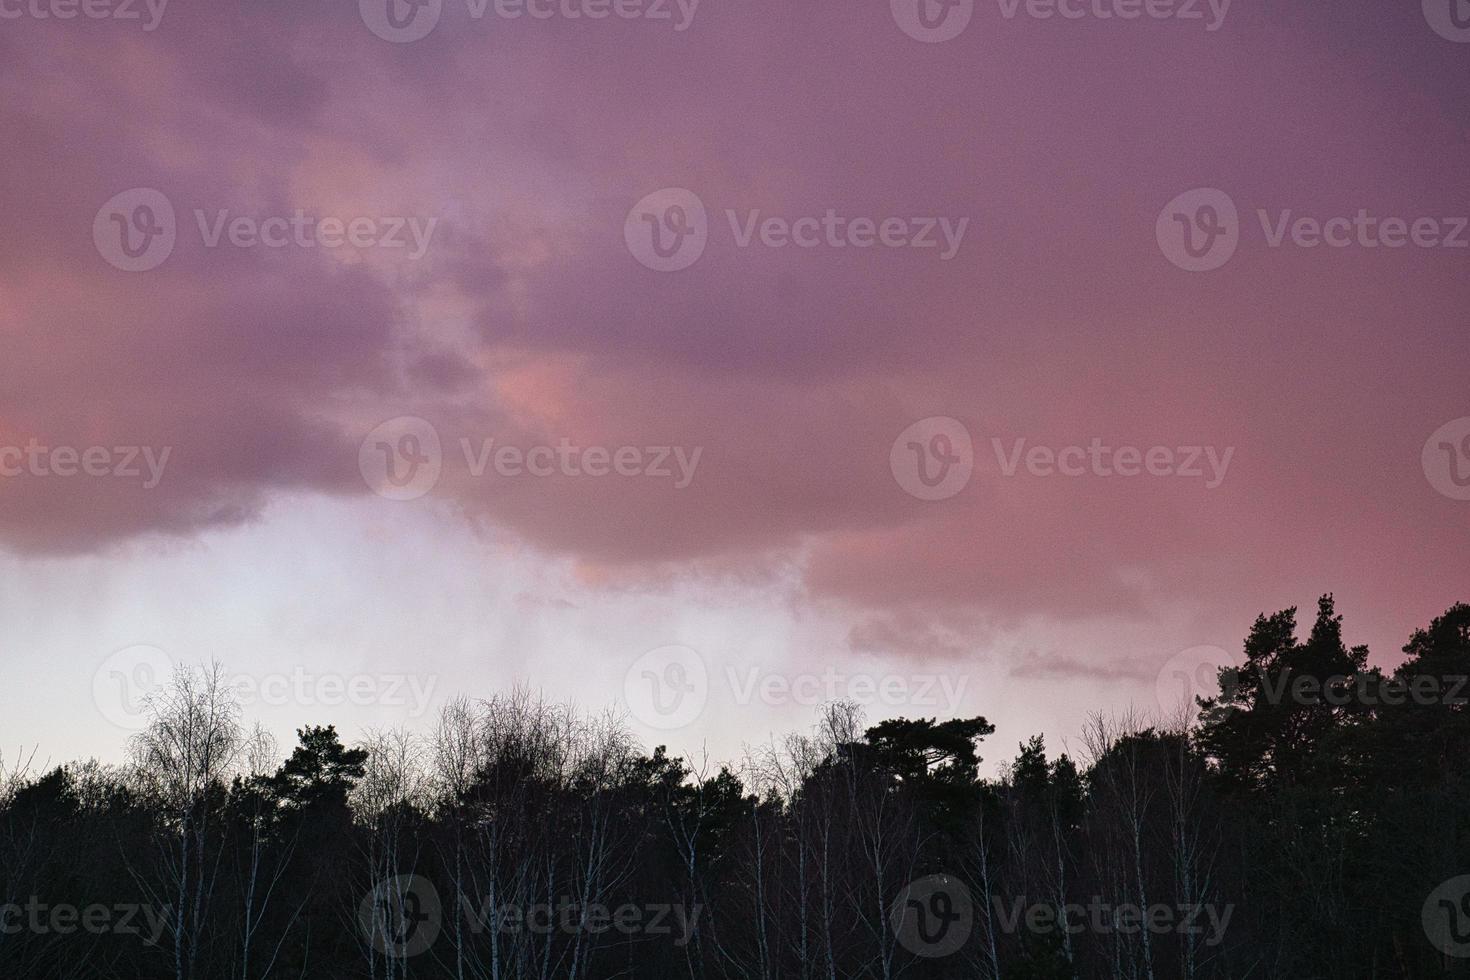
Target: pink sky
[1058, 320]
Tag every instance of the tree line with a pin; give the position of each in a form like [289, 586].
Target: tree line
[1310, 820]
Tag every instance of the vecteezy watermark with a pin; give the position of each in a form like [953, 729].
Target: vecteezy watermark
[1340, 690]
[63, 919]
[940, 20]
[123, 684]
[1210, 12]
[933, 916]
[943, 692]
[674, 463]
[833, 230]
[401, 916]
[1198, 672]
[667, 687]
[1200, 230]
[1446, 917]
[119, 10]
[402, 459]
[668, 230]
[137, 230]
[1102, 917]
[933, 458]
[303, 230]
[309, 688]
[1450, 19]
[570, 916]
[35, 459]
[1446, 459]
[1207, 672]
[1101, 460]
[405, 21]
[932, 21]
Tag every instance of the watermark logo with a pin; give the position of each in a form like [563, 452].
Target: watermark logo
[1340, 690]
[944, 692]
[39, 918]
[667, 687]
[1124, 10]
[1199, 230]
[1361, 230]
[1446, 917]
[932, 21]
[119, 10]
[675, 463]
[1101, 917]
[941, 20]
[401, 916]
[123, 683]
[400, 21]
[402, 458]
[302, 230]
[135, 230]
[35, 459]
[933, 916]
[833, 230]
[933, 458]
[667, 230]
[1194, 673]
[1450, 19]
[403, 21]
[1446, 459]
[1098, 459]
[571, 916]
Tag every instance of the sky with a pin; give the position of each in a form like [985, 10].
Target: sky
[704, 361]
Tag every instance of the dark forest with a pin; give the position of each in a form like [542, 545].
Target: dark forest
[1311, 820]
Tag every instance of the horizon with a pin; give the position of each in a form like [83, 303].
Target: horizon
[125, 686]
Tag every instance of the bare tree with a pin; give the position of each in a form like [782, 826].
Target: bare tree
[787, 770]
[19, 837]
[984, 872]
[267, 857]
[1121, 779]
[1193, 842]
[189, 748]
[601, 859]
[686, 811]
[393, 791]
[456, 762]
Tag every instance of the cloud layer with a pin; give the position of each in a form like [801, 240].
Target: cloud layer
[1057, 321]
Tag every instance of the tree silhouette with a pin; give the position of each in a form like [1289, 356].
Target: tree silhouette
[1313, 823]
